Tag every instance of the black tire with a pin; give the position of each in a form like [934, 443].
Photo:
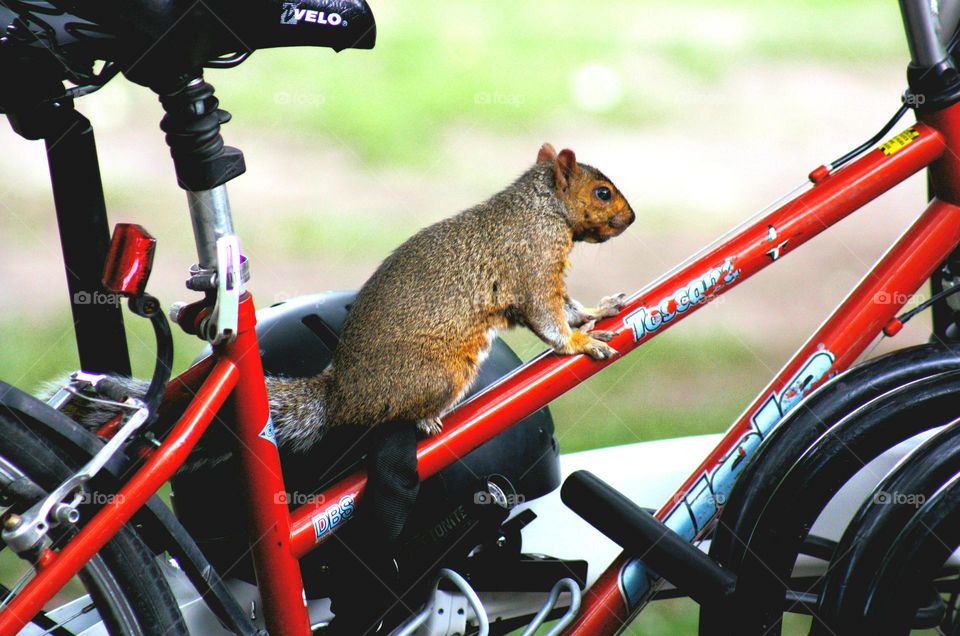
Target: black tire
[807, 487]
[123, 580]
[796, 471]
[880, 533]
[914, 560]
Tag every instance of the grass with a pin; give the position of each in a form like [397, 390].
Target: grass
[36, 352]
[503, 67]
[344, 240]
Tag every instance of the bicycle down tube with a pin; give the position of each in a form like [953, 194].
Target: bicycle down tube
[622, 589]
[648, 313]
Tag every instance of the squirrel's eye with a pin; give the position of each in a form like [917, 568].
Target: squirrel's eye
[602, 193]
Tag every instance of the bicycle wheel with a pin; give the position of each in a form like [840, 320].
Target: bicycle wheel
[757, 486]
[772, 547]
[122, 584]
[847, 596]
[915, 559]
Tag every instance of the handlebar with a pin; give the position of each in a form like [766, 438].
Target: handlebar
[638, 532]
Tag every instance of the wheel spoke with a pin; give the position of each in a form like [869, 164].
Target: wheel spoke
[59, 627]
[16, 588]
[42, 620]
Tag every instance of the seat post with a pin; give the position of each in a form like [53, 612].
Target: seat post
[203, 165]
[202, 162]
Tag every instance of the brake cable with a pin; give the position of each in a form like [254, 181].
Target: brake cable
[873, 141]
[825, 170]
[896, 324]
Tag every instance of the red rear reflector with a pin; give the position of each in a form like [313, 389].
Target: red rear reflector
[129, 260]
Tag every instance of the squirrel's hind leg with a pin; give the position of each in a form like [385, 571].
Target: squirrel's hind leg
[430, 426]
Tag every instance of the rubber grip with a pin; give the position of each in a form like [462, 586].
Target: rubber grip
[640, 533]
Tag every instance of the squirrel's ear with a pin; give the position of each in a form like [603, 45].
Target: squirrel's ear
[547, 153]
[566, 168]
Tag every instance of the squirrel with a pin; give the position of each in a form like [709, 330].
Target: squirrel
[421, 326]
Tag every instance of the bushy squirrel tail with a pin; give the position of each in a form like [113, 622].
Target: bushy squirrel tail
[299, 410]
[92, 415]
[297, 406]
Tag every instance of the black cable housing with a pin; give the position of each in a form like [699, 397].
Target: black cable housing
[870, 143]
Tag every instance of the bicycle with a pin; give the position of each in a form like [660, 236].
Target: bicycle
[805, 436]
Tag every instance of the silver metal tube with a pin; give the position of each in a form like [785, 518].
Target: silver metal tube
[949, 19]
[922, 21]
[551, 602]
[210, 215]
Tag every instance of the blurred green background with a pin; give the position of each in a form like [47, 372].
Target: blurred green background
[702, 113]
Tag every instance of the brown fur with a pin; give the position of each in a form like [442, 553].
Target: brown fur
[415, 335]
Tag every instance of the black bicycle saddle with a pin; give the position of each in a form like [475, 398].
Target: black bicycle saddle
[153, 38]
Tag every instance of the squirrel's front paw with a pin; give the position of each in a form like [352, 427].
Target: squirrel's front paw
[599, 350]
[430, 426]
[611, 305]
[592, 344]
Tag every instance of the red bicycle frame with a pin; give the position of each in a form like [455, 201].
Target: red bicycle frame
[279, 537]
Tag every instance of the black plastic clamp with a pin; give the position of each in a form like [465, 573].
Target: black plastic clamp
[932, 88]
[192, 126]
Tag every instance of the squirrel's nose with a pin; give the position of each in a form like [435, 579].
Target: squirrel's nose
[620, 222]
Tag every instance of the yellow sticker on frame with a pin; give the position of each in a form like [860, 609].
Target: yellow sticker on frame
[896, 144]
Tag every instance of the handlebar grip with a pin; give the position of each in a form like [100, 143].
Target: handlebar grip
[640, 534]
